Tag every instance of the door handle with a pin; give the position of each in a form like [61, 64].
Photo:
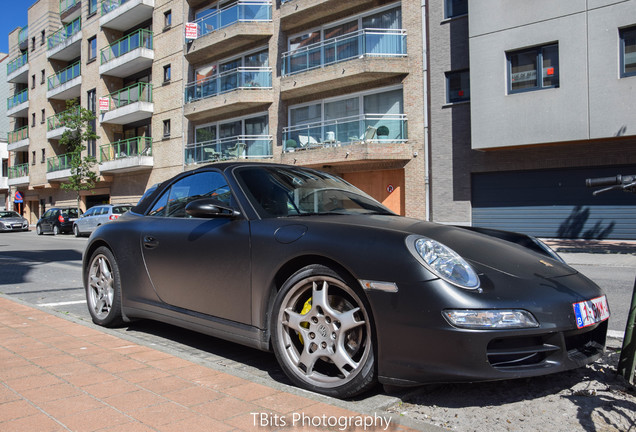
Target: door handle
[150, 242]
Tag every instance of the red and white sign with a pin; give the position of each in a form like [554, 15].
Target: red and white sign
[104, 103]
[191, 30]
[390, 188]
[591, 311]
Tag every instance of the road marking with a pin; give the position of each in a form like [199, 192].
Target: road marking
[62, 303]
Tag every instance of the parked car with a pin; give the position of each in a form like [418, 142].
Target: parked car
[97, 215]
[57, 220]
[13, 221]
[344, 291]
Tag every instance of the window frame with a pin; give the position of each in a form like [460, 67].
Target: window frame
[621, 36]
[90, 50]
[538, 50]
[448, 10]
[167, 19]
[166, 128]
[167, 73]
[448, 76]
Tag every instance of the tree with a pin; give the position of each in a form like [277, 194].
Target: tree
[77, 121]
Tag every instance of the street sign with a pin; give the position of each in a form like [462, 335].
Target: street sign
[17, 197]
[191, 30]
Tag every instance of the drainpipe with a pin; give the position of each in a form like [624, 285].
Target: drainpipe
[426, 110]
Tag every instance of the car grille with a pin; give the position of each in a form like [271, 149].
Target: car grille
[17, 226]
[537, 352]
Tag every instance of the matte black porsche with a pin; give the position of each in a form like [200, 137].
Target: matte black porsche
[344, 292]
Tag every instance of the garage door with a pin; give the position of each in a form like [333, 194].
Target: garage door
[553, 203]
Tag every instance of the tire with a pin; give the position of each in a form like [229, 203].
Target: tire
[322, 333]
[76, 231]
[38, 229]
[56, 230]
[103, 288]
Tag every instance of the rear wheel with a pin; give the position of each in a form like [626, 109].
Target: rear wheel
[38, 229]
[56, 230]
[103, 288]
[76, 231]
[322, 333]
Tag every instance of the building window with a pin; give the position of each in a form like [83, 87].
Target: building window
[33, 43]
[166, 128]
[42, 37]
[42, 76]
[628, 52]
[92, 7]
[457, 86]
[32, 119]
[92, 48]
[43, 119]
[454, 8]
[43, 159]
[166, 73]
[167, 19]
[533, 69]
[32, 81]
[33, 157]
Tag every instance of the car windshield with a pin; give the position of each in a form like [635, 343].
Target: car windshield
[285, 192]
[9, 214]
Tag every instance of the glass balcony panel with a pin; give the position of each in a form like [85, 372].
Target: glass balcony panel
[57, 121]
[140, 38]
[18, 135]
[64, 76]
[23, 35]
[140, 92]
[64, 33]
[234, 147]
[137, 146]
[66, 4]
[18, 99]
[367, 42]
[240, 78]
[240, 11]
[17, 171]
[17, 63]
[58, 163]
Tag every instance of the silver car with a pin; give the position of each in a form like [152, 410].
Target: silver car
[98, 215]
[12, 221]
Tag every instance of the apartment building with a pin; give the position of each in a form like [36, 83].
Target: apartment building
[179, 83]
[527, 101]
[4, 128]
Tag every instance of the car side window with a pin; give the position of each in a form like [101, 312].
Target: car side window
[207, 184]
[89, 212]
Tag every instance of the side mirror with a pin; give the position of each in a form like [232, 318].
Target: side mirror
[210, 208]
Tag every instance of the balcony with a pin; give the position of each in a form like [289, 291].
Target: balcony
[125, 14]
[58, 168]
[303, 14]
[129, 104]
[18, 140]
[70, 10]
[55, 124]
[229, 93]
[18, 104]
[23, 38]
[19, 175]
[133, 154]
[18, 69]
[65, 44]
[363, 57]
[366, 137]
[236, 147]
[129, 55]
[65, 84]
[244, 23]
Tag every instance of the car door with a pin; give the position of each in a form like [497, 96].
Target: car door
[199, 264]
[47, 220]
[84, 222]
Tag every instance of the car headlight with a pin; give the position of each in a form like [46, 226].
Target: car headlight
[490, 319]
[443, 262]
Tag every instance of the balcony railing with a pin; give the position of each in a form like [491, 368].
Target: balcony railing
[242, 11]
[56, 121]
[17, 171]
[140, 38]
[66, 5]
[241, 146]
[374, 128]
[367, 42]
[138, 146]
[18, 99]
[240, 78]
[64, 33]
[110, 5]
[63, 76]
[18, 135]
[23, 35]
[58, 163]
[140, 92]
[17, 63]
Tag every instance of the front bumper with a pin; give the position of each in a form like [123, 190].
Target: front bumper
[14, 227]
[416, 345]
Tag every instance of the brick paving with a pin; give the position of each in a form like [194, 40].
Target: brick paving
[57, 375]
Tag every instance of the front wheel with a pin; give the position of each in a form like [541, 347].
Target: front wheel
[76, 231]
[38, 229]
[56, 230]
[103, 288]
[322, 333]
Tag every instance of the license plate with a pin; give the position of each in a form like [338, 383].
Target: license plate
[72, 219]
[591, 311]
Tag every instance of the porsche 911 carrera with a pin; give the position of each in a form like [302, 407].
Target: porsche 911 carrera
[342, 290]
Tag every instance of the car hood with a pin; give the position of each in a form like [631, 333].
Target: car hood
[482, 251]
[12, 220]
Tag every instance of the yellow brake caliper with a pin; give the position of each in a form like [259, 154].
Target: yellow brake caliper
[305, 311]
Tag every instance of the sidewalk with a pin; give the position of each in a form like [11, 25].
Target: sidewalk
[57, 375]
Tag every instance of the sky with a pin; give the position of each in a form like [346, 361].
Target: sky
[13, 14]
